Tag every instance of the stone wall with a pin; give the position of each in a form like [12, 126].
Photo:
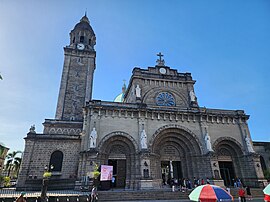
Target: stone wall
[38, 150]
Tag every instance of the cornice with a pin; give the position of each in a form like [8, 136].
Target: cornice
[133, 110]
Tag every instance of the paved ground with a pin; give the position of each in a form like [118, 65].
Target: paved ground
[184, 200]
[12, 193]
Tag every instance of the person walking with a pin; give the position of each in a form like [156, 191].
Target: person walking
[242, 194]
[94, 194]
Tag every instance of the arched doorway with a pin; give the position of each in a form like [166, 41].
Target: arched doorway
[229, 153]
[118, 150]
[176, 152]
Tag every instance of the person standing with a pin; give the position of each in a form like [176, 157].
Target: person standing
[228, 190]
[21, 198]
[113, 181]
[242, 194]
[249, 196]
[202, 181]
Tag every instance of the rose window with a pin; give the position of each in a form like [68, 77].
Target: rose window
[165, 99]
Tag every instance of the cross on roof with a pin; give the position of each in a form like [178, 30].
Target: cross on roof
[160, 61]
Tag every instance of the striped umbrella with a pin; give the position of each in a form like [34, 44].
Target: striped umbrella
[266, 192]
[210, 193]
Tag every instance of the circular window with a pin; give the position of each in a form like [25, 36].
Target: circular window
[165, 99]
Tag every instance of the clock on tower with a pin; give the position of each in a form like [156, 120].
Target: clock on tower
[78, 72]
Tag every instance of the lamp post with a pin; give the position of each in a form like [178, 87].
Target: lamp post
[45, 181]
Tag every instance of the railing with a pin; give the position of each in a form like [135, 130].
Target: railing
[11, 193]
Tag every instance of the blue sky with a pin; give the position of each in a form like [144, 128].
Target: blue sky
[224, 44]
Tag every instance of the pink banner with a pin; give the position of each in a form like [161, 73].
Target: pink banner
[106, 173]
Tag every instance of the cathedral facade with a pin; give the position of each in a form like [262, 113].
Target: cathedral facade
[154, 133]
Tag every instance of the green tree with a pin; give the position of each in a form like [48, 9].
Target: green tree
[13, 163]
[267, 174]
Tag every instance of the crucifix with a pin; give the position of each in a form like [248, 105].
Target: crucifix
[160, 61]
[160, 55]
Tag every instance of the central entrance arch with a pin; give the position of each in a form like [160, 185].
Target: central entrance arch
[176, 151]
[118, 149]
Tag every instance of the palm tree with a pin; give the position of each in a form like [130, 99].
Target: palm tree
[13, 162]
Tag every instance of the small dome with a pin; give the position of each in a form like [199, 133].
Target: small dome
[119, 98]
[84, 24]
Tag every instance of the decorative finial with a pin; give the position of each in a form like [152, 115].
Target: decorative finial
[85, 18]
[85, 12]
[124, 87]
[160, 61]
[32, 129]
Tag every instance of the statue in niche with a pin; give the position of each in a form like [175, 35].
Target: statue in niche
[138, 91]
[216, 174]
[143, 139]
[93, 138]
[208, 141]
[192, 96]
[249, 145]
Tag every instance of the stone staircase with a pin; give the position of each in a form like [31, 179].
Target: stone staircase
[113, 195]
[141, 195]
[256, 192]
[166, 194]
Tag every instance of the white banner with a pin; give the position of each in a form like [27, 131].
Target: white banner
[106, 173]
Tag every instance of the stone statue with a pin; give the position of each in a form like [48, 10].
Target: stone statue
[138, 91]
[249, 145]
[208, 142]
[93, 138]
[32, 129]
[143, 139]
[192, 96]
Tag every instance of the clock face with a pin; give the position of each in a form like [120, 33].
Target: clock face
[165, 99]
[162, 70]
[80, 46]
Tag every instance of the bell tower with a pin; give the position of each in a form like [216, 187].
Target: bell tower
[78, 72]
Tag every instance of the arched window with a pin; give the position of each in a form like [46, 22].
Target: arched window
[89, 41]
[81, 39]
[56, 161]
[73, 40]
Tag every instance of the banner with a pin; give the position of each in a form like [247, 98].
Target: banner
[106, 173]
